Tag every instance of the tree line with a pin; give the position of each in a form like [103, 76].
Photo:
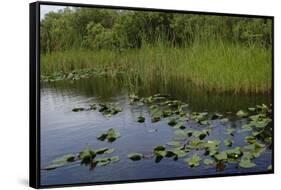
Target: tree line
[95, 28]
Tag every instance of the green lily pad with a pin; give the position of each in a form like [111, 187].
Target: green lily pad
[141, 119]
[167, 113]
[193, 161]
[224, 120]
[135, 156]
[208, 161]
[216, 116]
[60, 162]
[78, 109]
[246, 164]
[160, 153]
[111, 135]
[221, 156]
[87, 155]
[159, 148]
[174, 143]
[104, 151]
[179, 153]
[242, 113]
[269, 167]
[179, 125]
[102, 161]
[114, 159]
[155, 119]
[172, 122]
[181, 134]
[106, 161]
[252, 109]
[250, 139]
[102, 136]
[230, 131]
[228, 142]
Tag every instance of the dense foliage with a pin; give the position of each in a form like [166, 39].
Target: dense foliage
[122, 29]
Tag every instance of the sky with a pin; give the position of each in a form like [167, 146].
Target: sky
[44, 9]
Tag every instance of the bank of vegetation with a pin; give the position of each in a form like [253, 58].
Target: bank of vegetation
[218, 53]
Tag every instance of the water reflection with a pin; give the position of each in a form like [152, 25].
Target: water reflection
[107, 88]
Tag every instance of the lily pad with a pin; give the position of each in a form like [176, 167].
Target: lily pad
[216, 116]
[246, 164]
[114, 159]
[228, 142]
[174, 143]
[155, 119]
[179, 153]
[104, 151]
[193, 161]
[179, 125]
[111, 135]
[87, 155]
[135, 156]
[208, 161]
[221, 156]
[60, 162]
[159, 148]
[102, 161]
[172, 122]
[181, 134]
[242, 113]
[250, 139]
[78, 109]
[141, 119]
[269, 167]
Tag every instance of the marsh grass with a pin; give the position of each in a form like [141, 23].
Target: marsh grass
[215, 66]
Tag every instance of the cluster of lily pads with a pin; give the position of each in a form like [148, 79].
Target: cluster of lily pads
[189, 143]
[78, 74]
[89, 157]
[106, 109]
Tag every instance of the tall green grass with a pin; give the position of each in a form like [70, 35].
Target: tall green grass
[215, 66]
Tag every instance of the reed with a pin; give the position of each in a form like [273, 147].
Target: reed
[213, 65]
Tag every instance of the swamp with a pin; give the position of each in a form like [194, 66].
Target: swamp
[137, 95]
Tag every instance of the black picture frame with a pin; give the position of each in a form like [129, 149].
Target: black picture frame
[34, 93]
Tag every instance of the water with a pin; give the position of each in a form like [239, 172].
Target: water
[64, 131]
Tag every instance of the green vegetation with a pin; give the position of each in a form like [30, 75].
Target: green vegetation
[213, 52]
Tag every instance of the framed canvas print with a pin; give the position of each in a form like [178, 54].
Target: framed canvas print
[120, 94]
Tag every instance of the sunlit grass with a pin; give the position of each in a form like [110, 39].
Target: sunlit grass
[215, 66]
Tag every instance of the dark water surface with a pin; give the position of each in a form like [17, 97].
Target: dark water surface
[64, 131]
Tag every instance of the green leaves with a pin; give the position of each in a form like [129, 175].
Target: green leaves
[172, 122]
[246, 164]
[193, 161]
[201, 118]
[141, 119]
[60, 162]
[135, 156]
[208, 162]
[78, 109]
[228, 142]
[242, 113]
[174, 143]
[105, 109]
[221, 156]
[106, 161]
[104, 151]
[109, 109]
[111, 135]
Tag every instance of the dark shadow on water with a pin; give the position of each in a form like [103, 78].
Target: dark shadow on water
[107, 88]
